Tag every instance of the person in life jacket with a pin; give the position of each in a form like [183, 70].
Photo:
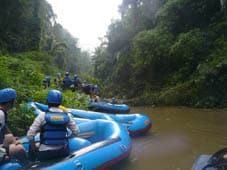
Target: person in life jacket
[57, 79]
[52, 126]
[113, 100]
[67, 82]
[48, 78]
[44, 83]
[88, 89]
[9, 148]
[75, 82]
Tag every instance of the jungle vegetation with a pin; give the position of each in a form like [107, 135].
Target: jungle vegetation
[162, 52]
[167, 52]
[32, 46]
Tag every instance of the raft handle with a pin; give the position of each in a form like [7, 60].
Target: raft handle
[79, 166]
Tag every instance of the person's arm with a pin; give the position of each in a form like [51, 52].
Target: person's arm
[72, 126]
[36, 126]
[2, 118]
[2, 123]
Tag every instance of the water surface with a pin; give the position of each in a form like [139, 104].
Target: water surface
[178, 136]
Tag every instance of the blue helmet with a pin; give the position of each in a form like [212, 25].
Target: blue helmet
[48, 77]
[7, 95]
[75, 77]
[54, 97]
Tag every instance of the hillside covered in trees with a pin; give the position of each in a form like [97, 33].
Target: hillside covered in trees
[32, 46]
[30, 25]
[167, 52]
[164, 52]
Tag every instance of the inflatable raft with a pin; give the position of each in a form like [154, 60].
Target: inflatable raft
[201, 162]
[217, 161]
[106, 144]
[136, 124]
[109, 107]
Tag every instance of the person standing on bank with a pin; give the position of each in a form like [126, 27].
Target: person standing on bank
[67, 82]
[52, 126]
[7, 140]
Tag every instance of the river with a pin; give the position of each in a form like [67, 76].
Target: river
[177, 137]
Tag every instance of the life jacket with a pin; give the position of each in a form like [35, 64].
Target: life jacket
[88, 89]
[54, 132]
[67, 82]
[75, 82]
[3, 129]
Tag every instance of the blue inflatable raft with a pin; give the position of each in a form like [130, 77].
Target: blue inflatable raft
[109, 107]
[136, 124]
[105, 144]
[201, 162]
[217, 161]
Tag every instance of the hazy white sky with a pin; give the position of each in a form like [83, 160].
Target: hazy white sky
[86, 19]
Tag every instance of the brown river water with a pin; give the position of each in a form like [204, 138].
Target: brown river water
[177, 137]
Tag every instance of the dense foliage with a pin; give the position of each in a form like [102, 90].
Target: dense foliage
[24, 72]
[32, 46]
[30, 25]
[167, 52]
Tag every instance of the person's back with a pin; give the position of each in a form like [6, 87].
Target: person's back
[96, 90]
[57, 79]
[52, 126]
[48, 78]
[87, 89]
[113, 100]
[75, 82]
[67, 82]
[53, 136]
[44, 83]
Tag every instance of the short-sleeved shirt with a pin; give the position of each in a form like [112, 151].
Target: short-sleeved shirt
[2, 119]
[2, 125]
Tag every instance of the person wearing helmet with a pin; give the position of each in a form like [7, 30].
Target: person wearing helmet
[75, 82]
[67, 82]
[113, 100]
[52, 126]
[96, 90]
[57, 79]
[84, 84]
[66, 73]
[88, 89]
[44, 83]
[48, 78]
[9, 147]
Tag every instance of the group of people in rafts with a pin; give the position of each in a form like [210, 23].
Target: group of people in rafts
[74, 84]
[55, 145]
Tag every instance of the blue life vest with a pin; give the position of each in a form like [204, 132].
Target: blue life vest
[88, 89]
[67, 81]
[3, 129]
[54, 132]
